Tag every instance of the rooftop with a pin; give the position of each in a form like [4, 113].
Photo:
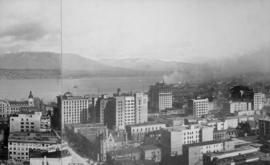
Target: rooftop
[203, 143]
[147, 123]
[265, 119]
[124, 151]
[238, 149]
[41, 154]
[44, 137]
[18, 103]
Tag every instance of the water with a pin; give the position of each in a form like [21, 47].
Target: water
[48, 89]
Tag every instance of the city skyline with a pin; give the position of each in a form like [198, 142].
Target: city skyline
[188, 31]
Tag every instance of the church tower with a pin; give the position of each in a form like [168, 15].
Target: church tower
[31, 100]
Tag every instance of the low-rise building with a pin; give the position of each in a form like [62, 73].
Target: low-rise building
[20, 143]
[39, 157]
[193, 153]
[219, 135]
[242, 154]
[231, 122]
[138, 131]
[173, 139]
[151, 152]
[124, 154]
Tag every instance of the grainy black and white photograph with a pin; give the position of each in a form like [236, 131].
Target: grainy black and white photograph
[134, 82]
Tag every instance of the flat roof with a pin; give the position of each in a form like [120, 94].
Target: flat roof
[31, 137]
[41, 153]
[204, 143]
[146, 124]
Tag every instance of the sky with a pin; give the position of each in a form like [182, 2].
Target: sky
[182, 30]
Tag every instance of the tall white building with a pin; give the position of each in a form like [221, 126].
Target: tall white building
[141, 105]
[30, 122]
[126, 110]
[199, 107]
[74, 109]
[258, 100]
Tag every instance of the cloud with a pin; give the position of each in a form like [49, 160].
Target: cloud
[24, 31]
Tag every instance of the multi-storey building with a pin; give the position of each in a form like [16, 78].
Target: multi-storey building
[20, 143]
[74, 109]
[141, 105]
[151, 152]
[199, 107]
[160, 97]
[8, 108]
[100, 106]
[231, 122]
[30, 122]
[240, 155]
[193, 153]
[4, 108]
[264, 128]
[126, 110]
[172, 140]
[237, 106]
[138, 131]
[258, 99]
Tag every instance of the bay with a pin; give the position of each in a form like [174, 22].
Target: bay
[48, 89]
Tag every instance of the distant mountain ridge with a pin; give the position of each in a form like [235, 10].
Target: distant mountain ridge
[49, 61]
[72, 65]
[148, 64]
[30, 60]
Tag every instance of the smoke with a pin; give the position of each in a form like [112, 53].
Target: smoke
[185, 76]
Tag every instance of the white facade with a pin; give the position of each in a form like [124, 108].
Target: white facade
[246, 113]
[51, 161]
[20, 143]
[240, 106]
[259, 99]
[129, 110]
[231, 122]
[74, 109]
[141, 100]
[164, 100]
[207, 134]
[219, 125]
[141, 129]
[176, 138]
[216, 147]
[31, 122]
[200, 107]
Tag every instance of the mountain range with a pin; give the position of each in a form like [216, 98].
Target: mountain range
[72, 65]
